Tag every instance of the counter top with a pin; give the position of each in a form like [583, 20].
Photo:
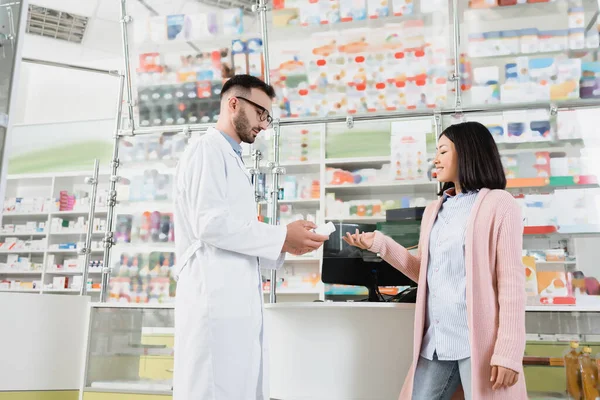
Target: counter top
[339, 304]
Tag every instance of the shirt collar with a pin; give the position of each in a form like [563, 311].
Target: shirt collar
[450, 193]
[235, 145]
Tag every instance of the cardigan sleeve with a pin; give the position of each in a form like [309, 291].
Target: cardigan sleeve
[396, 255]
[510, 274]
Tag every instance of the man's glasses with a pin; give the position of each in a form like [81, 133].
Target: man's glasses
[263, 114]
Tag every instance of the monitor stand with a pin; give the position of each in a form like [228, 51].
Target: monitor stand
[374, 293]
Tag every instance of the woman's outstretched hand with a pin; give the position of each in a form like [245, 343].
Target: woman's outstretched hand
[361, 240]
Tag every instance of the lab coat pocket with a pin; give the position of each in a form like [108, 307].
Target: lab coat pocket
[231, 289]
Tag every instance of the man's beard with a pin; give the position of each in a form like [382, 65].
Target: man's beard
[243, 129]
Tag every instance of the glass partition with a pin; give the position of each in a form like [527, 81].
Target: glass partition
[130, 350]
[554, 355]
[144, 254]
[355, 57]
[181, 52]
[528, 51]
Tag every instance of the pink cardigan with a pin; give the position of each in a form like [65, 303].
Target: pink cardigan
[495, 289]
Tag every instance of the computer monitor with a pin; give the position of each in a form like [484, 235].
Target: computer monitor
[348, 265]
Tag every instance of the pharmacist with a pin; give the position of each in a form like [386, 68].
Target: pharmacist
[220, 247]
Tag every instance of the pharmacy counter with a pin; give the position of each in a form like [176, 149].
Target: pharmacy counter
[43, 340]
[338, 351]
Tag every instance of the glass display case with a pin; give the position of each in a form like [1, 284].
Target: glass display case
[144, 252]
[358, 57]
[553, 338]
[182, 53]
[130, 351]
[528, 51]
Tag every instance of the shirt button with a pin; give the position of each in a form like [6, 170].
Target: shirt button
[437, 321]
[437, 269]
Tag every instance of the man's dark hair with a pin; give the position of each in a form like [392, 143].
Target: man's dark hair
[244, 83]
[479, 163]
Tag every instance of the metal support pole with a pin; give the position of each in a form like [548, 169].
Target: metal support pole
[456, 77]
[112, 200]
[276, 170]
[125, 19]
[261, 8]
[87, 250]
[255, 172]
[110, 72]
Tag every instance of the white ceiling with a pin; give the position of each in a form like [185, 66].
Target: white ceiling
[101, 46]
[101, 43]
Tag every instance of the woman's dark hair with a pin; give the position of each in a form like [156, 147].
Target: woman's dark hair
[479, 164]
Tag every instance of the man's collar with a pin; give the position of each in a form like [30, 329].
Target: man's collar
[235, 145]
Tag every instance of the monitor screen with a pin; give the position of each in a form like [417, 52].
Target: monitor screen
[348, 265]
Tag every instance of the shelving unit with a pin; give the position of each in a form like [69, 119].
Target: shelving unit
[48, 186]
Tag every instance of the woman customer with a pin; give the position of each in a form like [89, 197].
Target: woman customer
[470, 313]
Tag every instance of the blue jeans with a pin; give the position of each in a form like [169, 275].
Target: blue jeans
[438, 380]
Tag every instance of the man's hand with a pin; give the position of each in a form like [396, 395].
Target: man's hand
[300, 240]
[503, 378]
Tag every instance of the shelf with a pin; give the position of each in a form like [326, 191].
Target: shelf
[358, 162]
[573, 308]
[58, 272]
[132, 207]
[19, 290]
[303, 31]
[74, 251]
[115, 304]
[383, 188]
[22, 251]
[554, 182]
[504, 13]
[292, 168]
[117, 388]
[81, 213]
[563, 230]
[358, 220]
[75, 233]
[25, 214]
[23, 234]
[55, 272]
[543, 361]
[62, 290]
[49, 176]
[5, 272]
[299, 202]
[102, 210]
[556, 263]
[166, 247]
[311, 291]
[573, 53]
[562, 145]
[220, 40]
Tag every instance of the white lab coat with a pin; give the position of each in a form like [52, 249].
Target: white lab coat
[221, 246]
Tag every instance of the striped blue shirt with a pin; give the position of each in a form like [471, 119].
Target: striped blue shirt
[446, 329]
